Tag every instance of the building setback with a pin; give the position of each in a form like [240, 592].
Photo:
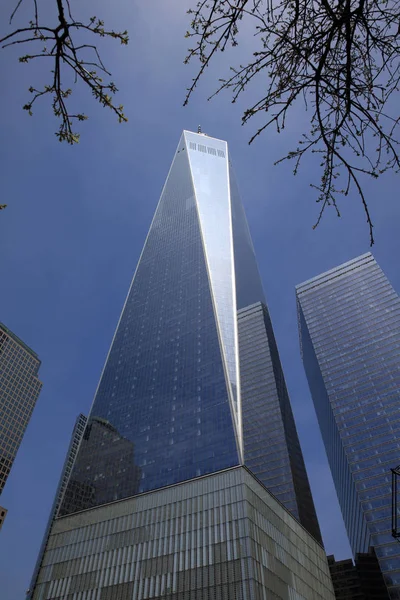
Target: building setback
[170, 481]
[349, 323]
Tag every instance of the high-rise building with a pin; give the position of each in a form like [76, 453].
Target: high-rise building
[19, 390]
[361, 580]
[370, 575]
[76, 438]
[345, 581]
[349, 322]
[182, 421]
[271, 445]
[176, 396]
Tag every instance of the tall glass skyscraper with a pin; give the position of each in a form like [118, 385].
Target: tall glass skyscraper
[172, 403]
[349, 322]
[192, 386]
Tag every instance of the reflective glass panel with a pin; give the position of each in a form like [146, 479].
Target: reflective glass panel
[162, 412]
[349, 321]
[209, 167]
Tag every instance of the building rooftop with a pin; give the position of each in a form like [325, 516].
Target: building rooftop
[322, 278]
[18, 340]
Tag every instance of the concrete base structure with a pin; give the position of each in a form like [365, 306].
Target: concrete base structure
[218, 537]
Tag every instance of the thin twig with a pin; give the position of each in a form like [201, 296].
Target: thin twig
[64, 55]
[342, 60]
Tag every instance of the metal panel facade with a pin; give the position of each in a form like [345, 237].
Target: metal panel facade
[219, 537]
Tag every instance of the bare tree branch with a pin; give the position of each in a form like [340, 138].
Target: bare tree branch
[58, 45]
[341, 57]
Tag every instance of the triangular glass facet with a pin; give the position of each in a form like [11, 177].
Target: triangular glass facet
[162, 412]
[208, 159]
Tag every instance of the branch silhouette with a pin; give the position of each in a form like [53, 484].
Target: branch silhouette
[58, 45]
[340, 58]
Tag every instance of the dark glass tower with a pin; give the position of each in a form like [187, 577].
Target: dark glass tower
[177, 399]
[76, 438]
[349, 321]
[163, 500]
[271, 445]
[361, 580]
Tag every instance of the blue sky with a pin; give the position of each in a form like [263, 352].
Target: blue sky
[78, 216]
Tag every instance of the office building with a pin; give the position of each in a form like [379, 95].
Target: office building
[370, 575]
[271, 446]
[183, 424]
[349, 322]
[19, 390]
[361, 580]
[346, 582]
[76, 437]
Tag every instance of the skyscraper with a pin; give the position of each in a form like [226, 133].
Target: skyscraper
[349, 322]
[271, 445]
[19, 390]
[76, 438]
[171, 388]
[361, 580]
[180, 413]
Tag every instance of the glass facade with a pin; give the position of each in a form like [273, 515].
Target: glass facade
[19, 390]
[360, 581]
[210, 177]
[165, 410]
[249, 288]
[271, 444]
[349, 322]
[76, 438]
[177, 399]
